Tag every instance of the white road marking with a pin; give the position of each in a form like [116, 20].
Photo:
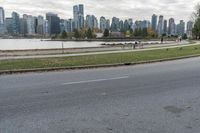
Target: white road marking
[96, 80]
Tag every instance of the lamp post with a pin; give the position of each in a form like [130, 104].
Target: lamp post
[62, 48]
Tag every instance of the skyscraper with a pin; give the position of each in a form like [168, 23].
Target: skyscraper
[189, 28]
[121, 25]
[181, 28]
[2, 20]
[40, 25]
[145, 24]
[15, 23]
[9, 27]
[172, 27]
[154, 20]
[103, 23]
[126, 26]
[78, 13]
[160, 25]
[31, 25]
[108, 24]
[115, 24]
[23, 26]
[165, 27]
[53, 23]
[69, 25]
[91, 21]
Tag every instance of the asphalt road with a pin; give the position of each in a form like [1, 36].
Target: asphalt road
[152, 98]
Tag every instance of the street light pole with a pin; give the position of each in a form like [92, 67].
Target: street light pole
[62, 48]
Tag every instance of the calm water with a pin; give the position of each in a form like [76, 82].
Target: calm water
[24, 44]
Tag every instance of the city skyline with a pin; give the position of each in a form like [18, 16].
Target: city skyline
[124, 10]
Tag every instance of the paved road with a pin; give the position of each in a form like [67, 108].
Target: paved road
[153, 98]
[106, 51]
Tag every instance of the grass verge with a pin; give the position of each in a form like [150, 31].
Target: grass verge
[130, 57]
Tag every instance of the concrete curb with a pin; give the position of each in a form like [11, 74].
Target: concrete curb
[92, 66]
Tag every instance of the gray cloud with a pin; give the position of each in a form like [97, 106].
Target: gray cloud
[136, 9]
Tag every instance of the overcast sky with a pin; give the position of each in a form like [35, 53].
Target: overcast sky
[136, 9]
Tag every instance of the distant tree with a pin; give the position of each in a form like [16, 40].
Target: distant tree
[144, 32]
[89, 34]
[164, 35]
[151, 33]
[64, 35]
[138, 32]
[185, 36]
[106, 33]
[131, 32]
[76, 34]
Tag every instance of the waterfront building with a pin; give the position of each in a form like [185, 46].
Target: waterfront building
[40, 25]
[190, 25]
[91, 22]
[160, 25]
[154, 20]
[31, 25]
[181, 28]
[15, 23]
[9, 26]
[53, 23]
[103, 24]
[126, 25]
[165, 27]
[2, 20]
[108, 24]
[172, 27]
[78, 13]
[115, 24]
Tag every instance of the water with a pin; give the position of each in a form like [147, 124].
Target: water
[24, 44]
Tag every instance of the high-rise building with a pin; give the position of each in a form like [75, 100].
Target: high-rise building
[46, 27]
[53, 23]
[126, 25]
[121, 25]
[2, 16]
[115, 24]
[165, 27]
[154, 20]
[9, 25]
[31, 25]
[78, 13]
[130, 22]
[2, 20]
[91, 21]
[40, 25]
[69, 25]
[62, 25]
[23, 26]
[189, 28]
[108, 24]
[137, 25]
[145, 24]
[172, 27]
[181, 28]
[160, 25]
[15, 23]
[103, 23]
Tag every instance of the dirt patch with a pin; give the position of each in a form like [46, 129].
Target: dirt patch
[174, 109]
